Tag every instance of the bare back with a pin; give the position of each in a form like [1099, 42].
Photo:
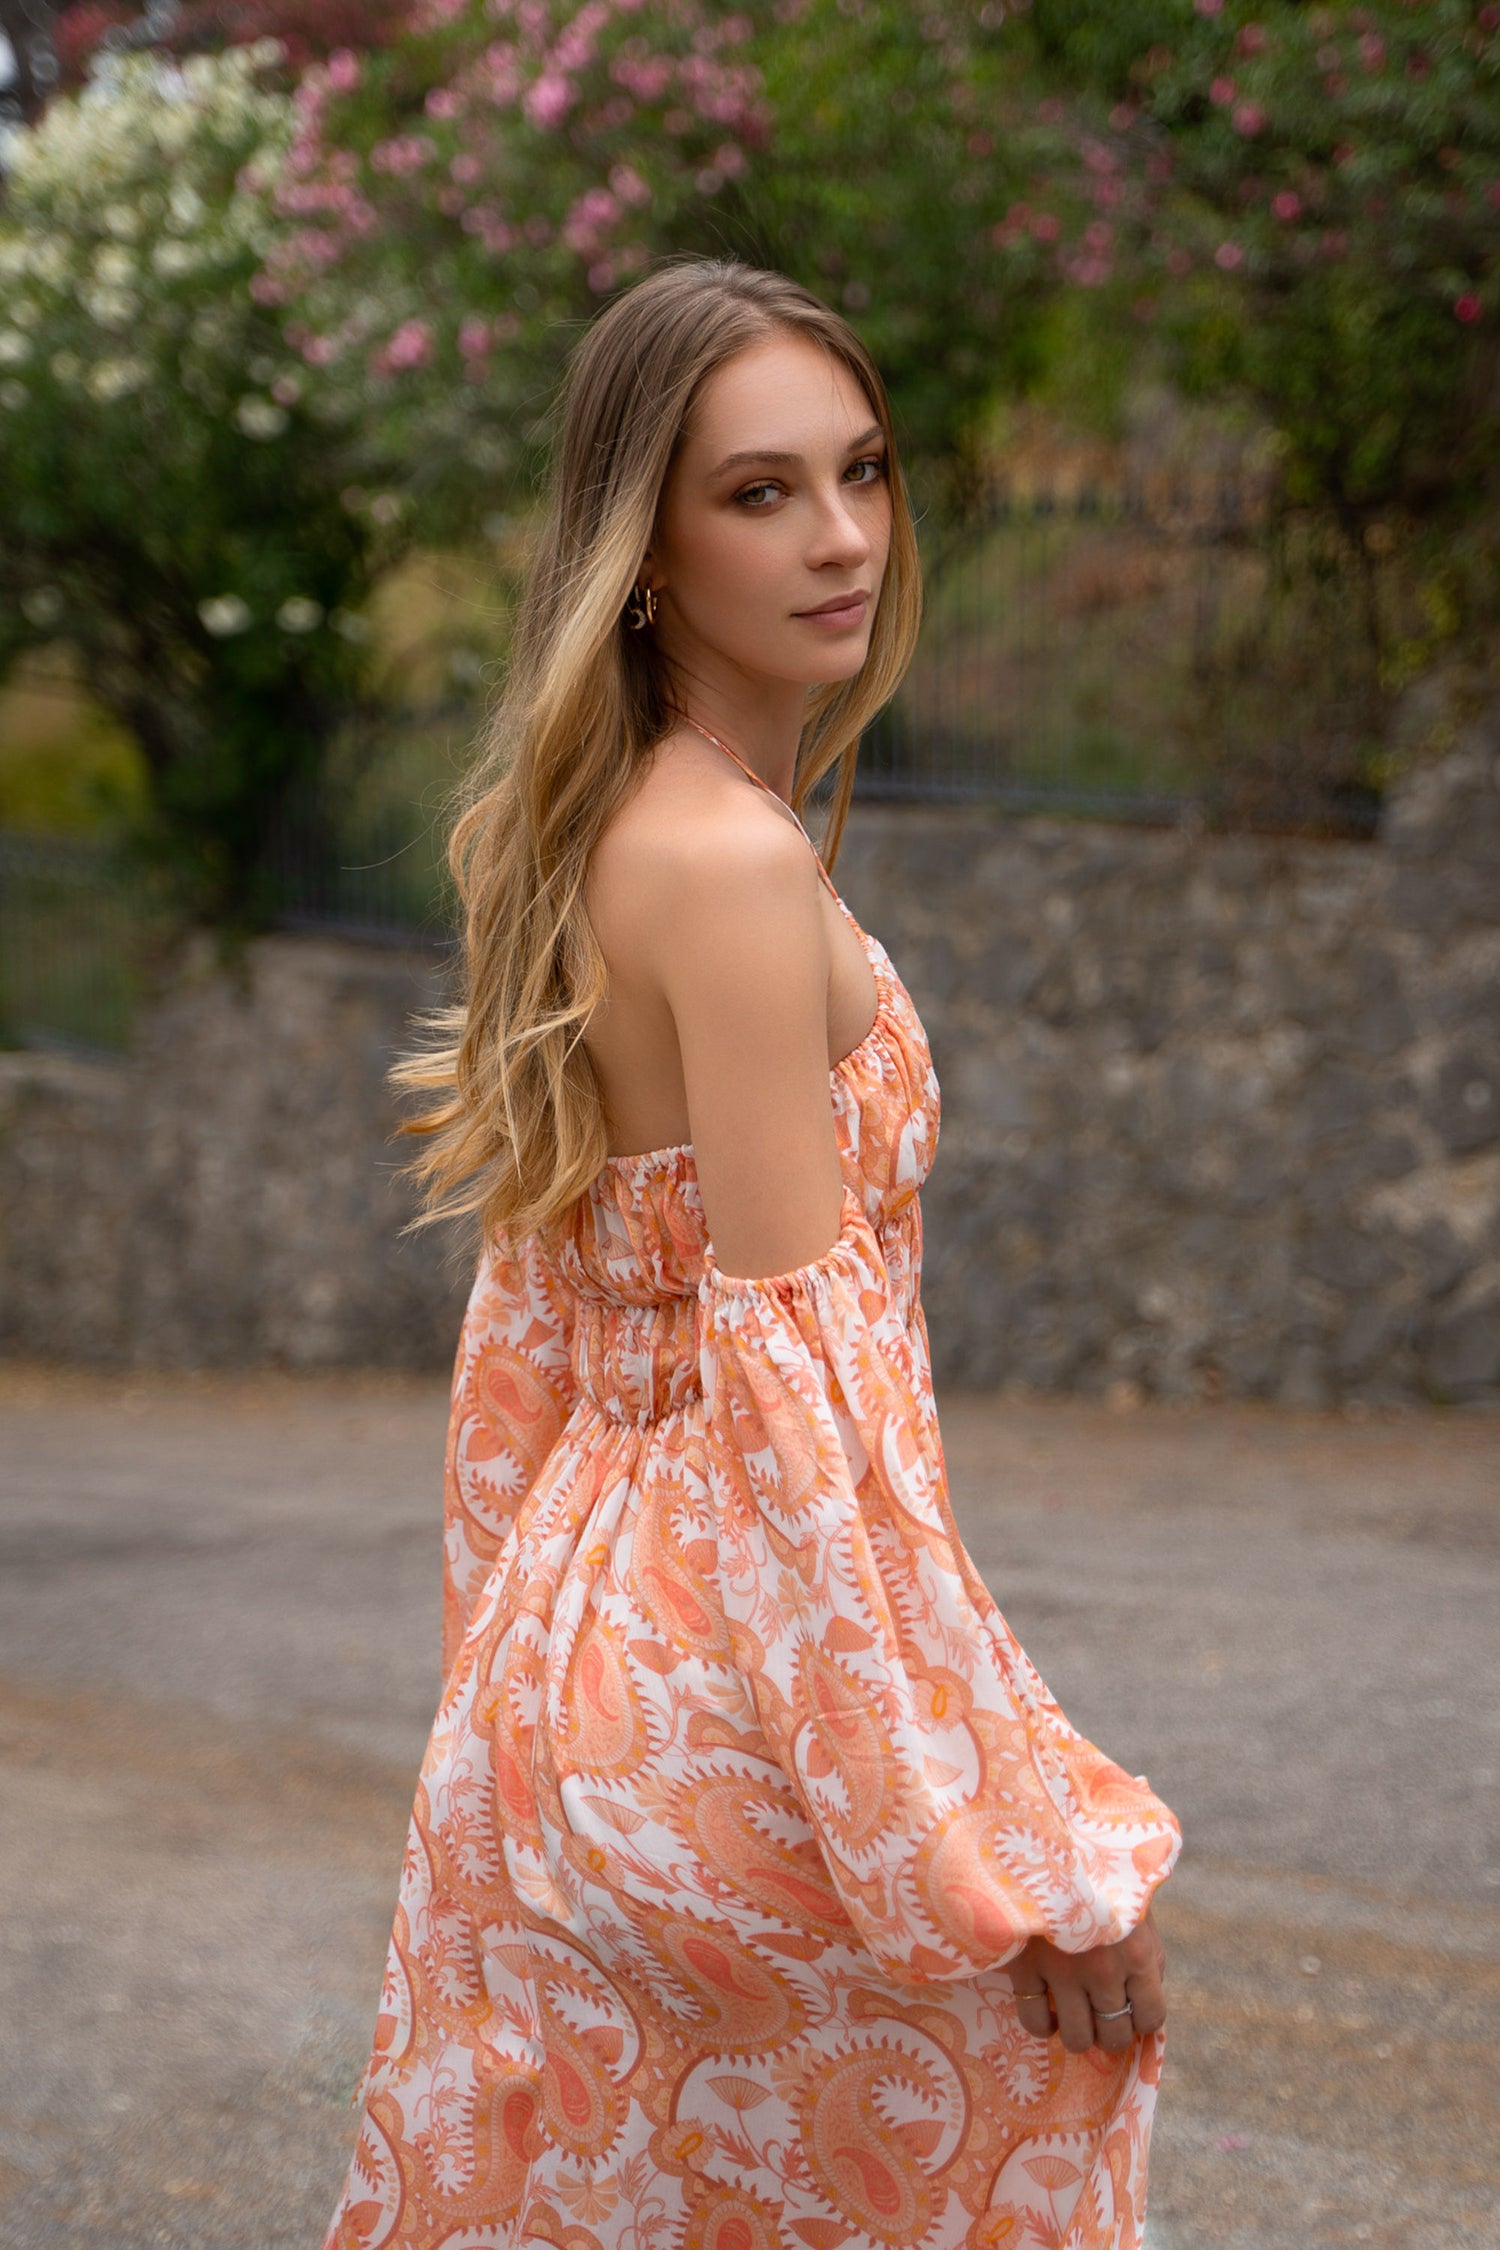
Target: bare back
[688, 799]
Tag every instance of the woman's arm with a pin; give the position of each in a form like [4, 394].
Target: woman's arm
[743, 960]
[959, 1814]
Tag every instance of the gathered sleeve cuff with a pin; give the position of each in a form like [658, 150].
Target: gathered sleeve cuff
[513, 1389]
[958, 1811]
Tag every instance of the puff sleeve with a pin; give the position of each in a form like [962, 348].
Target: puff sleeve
[958, 1811]
[513, 1390]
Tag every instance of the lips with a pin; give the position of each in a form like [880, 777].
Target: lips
[839, 604]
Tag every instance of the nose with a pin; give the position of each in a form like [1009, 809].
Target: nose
[839, 534]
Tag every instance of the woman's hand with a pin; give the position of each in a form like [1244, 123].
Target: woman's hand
[1102, 1998]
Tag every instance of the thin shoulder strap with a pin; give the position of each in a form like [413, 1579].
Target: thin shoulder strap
[761, 783]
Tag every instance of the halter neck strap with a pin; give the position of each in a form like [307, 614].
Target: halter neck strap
[760, 783]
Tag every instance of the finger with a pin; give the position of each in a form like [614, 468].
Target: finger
[1148, 2004]
[1114, 2028]
[1075, 2019]
[1034, 2014]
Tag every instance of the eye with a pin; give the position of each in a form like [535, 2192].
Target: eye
[874, 462]
[745, 497]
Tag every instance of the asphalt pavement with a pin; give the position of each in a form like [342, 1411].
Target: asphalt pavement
[218, 1661]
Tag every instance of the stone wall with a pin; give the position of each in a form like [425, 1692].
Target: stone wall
[231, 1195]
[1221, 1115]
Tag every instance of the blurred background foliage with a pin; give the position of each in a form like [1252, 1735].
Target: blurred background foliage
[1189, 312]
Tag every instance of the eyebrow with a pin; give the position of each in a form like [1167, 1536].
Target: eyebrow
[789, 460]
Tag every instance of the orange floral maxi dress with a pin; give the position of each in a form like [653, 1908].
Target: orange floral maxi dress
[741, 1789]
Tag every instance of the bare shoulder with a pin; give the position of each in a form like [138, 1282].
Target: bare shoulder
[698, 862]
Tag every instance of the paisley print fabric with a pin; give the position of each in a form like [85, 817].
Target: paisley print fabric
[741, 1790]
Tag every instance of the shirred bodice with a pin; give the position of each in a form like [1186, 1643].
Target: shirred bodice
[632, 1257]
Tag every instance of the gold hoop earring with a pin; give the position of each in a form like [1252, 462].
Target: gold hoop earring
[640, 610]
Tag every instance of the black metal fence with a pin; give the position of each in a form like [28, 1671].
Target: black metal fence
[1082, 653]
[73, 938]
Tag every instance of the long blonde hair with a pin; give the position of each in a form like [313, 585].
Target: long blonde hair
[518, 1131]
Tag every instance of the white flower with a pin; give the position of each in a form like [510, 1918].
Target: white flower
[66, 366]
[123, 222]
[185, 207]
[260, 417]
[225, 614]
[24, 311]
[15, 348]
[42, 606]
[115, 378]
[299, 613]
[13, 394]
[172, 259]
[350, 626]
[113, 265]
[49, 263]
[111, 308]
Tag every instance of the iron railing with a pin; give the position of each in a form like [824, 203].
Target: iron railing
[1077, 656]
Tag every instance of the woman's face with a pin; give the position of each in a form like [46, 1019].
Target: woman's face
[775, 521]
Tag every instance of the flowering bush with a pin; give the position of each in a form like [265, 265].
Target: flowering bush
[304, 30]
[901, 136]
[171, 506]
[454, 208]
[1305, 202]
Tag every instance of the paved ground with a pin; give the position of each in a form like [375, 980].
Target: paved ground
[217, 1633]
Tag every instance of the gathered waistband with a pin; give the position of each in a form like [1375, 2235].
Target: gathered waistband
[637, 1363]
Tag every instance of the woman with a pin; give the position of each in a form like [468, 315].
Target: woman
[757, 1892]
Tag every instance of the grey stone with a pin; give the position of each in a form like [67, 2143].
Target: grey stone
[1374, 1333]
[1304, 1377]
[1462, 1358]
[1463, 1102]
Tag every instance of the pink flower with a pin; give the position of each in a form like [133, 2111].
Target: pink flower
[1248, 118]
[410, 346]
[1252, 39]
[1286, 205]
[1467, 308]
[1492, 194]
[1208, 7]
[547, 102]
[628, 185]
[318, 351]
[1046, 227]
[646, 78]
[1229, 255]
[473, 337]
[465, 167]
[443, 103]
[1334, 243]
[1221, 92]
[729, 159]
[1372, 51]
[343, 70]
